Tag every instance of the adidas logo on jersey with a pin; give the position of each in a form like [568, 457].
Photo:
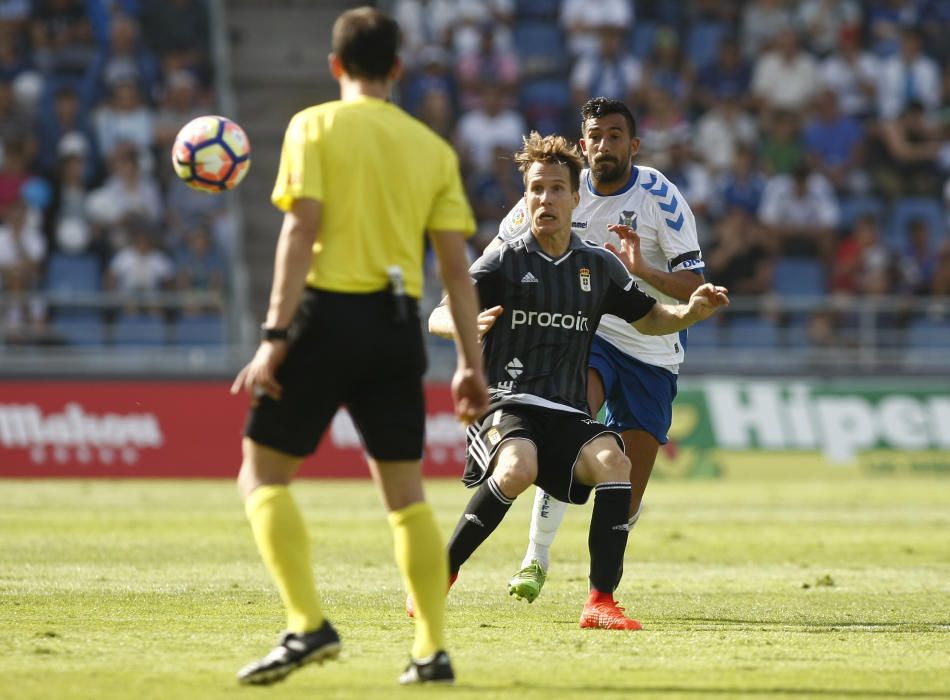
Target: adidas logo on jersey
[529, 278]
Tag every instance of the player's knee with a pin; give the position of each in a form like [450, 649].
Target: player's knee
[515, 472]
[613, 465]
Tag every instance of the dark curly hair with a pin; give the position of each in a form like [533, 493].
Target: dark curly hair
[598, 107]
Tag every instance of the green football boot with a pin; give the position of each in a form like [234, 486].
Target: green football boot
[527, 583]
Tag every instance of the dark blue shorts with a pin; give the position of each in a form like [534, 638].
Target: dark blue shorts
[638, 396]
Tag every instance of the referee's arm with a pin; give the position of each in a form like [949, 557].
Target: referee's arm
[292, 261]
[291, 265]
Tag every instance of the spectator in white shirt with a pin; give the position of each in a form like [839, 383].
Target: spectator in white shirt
[22, 243]
[482, 130]
[851, 73]
[126, 191]
[582, 21]
[610, 71]
[762, 20]
[908, 76]
[801, 213]
[721, 130]
[787, 76]
[821, 22]
[139, 270]
[126, 118]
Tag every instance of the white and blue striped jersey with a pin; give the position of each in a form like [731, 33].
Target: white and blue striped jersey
[654, 207]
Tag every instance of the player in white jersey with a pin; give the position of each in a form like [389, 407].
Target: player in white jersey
[633, 374]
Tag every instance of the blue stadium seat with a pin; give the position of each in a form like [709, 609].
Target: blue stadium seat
[703, 336]
[544, 104]
[641, 39]
[907, 210]
[73, 273]
[138, 330]
[79, 327]
[795, 333]
[540, 48]
[538, 9]
[924, 333]
[702, 42]
[752, 333]
[853, 208]
[799, 277]
[207, 329]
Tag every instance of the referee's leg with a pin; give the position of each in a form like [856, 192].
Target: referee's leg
[418, 549]
[280, 532]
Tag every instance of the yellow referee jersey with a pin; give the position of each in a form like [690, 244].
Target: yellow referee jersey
[383, 178]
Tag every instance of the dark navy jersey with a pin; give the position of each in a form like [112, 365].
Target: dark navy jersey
[536, 352]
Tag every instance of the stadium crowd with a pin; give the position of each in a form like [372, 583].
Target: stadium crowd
[811, 138]
[92, 94]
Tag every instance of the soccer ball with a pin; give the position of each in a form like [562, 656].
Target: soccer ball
[211, 154]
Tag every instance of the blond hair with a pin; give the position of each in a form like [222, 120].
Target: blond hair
[551, 149]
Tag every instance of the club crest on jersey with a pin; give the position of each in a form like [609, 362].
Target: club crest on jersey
[584, 276]
[628, 218]
[494, 437]
[518, 219]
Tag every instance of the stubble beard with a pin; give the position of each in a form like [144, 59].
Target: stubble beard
[609, 173]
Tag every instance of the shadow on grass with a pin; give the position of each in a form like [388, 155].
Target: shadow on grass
[816, 627]
[641, 690]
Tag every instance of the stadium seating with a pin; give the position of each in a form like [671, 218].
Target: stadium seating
[853, 208]
[926, 342]
[138, 330]
[198, 331]
[73, 273]
[79, 327]
[540, 48]
[927, 333]
[799, 277]
[538, 9]
[751, 333]
[906, 211]
[544, 104]
[703, 41]
[703, 336]
[641, 39]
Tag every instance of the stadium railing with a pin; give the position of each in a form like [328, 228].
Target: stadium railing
[821, 334]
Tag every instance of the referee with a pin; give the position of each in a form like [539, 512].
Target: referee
[360, 182]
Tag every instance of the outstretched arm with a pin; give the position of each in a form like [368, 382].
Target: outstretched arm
[664, 319]
[440, 321]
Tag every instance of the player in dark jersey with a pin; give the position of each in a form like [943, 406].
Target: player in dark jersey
[542, 297]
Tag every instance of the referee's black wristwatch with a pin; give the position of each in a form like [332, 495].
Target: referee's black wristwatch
[274, 333]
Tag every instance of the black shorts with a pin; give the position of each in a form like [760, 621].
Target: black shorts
[558, 437]
[348, 349]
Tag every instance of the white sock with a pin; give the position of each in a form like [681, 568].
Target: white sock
[546, 516]
[636, 516]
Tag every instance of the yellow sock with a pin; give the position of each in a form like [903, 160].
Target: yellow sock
[424, 565]
[284, 544]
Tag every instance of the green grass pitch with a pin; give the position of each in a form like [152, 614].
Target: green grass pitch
[746, 589]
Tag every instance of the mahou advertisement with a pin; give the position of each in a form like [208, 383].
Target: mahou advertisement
[176, 429]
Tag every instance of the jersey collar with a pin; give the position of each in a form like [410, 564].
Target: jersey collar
[631, 181]
[532, 246]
